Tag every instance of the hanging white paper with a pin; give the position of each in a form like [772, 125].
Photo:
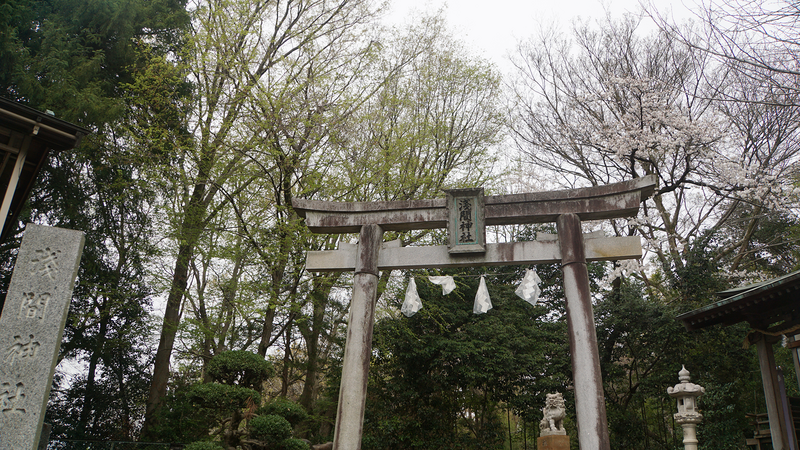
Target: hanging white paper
[529, 290]
[446, 282]
[412, 303]
[482, 301]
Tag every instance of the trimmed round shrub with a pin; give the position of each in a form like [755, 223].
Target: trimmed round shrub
[270, 428]
[221, 398]
[285, 408]
[203, 445]
[295, 444]
[240, 367]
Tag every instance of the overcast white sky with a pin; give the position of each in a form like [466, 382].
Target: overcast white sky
[493, 28]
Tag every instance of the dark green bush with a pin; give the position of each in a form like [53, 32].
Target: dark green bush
[240, 367]
[270, 428]
[295, 444]
[192, 411]
[179, 420]
[285, 408]
[203, 445]
[221, 398]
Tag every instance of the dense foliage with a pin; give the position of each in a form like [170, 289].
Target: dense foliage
[209, 118]
[226, 409]
[73, 58]
[442, 377]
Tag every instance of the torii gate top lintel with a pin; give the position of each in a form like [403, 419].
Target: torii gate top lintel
[592, 203]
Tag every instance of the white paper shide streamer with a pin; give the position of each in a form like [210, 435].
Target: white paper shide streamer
[412, 303]
[446, 282]
[529, 289]
[482, 301]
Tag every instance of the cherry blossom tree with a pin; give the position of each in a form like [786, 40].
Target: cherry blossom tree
[608, 104]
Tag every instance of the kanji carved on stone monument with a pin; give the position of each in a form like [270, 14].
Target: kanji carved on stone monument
[31, 327]
[21, 350]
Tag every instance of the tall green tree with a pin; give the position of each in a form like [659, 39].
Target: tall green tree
[235, 51]
[73, 58]
[432, 124]
[429, 124]
[305, 120]
[107, 328]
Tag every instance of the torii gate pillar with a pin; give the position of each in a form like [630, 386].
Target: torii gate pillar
[358, 346]
[590, 403]
[572, 249]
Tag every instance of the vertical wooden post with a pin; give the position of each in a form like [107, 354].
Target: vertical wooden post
[796, 356]
[358, 346]
[14, 180]
[786, 415]
[769, 378]
[589, 399]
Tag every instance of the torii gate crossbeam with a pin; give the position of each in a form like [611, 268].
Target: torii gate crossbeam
[571, 248]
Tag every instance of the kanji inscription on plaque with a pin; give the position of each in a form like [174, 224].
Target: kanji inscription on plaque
[466, 221]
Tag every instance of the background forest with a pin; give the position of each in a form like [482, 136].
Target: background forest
[193, 319]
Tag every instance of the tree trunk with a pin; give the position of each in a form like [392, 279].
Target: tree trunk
[287, 360]
[88, 395]
[190, 232]
[319, 297]
[748, 235]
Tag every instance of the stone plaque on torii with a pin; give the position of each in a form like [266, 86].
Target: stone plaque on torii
[465, 213]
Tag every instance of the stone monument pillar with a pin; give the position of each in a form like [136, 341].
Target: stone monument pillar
[687, 416]
[31, 328]
[552, 435]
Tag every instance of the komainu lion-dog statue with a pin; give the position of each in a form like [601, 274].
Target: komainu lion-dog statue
[553, 420]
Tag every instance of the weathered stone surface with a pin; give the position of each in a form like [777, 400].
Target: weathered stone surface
[554, 413]
[688, 415]
[553, 442]
[438, 256]
[567, 208]
[590, 407]
[358, 344]
[591, 203]
[31, 328]
[466, 221]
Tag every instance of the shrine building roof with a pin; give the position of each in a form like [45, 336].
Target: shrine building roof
[33, 134]
[769, 305]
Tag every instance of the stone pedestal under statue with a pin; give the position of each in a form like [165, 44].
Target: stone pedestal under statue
[553, 442]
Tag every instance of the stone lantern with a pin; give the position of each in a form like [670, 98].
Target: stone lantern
[687, 416]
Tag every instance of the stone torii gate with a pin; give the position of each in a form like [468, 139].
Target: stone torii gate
[465, 212]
